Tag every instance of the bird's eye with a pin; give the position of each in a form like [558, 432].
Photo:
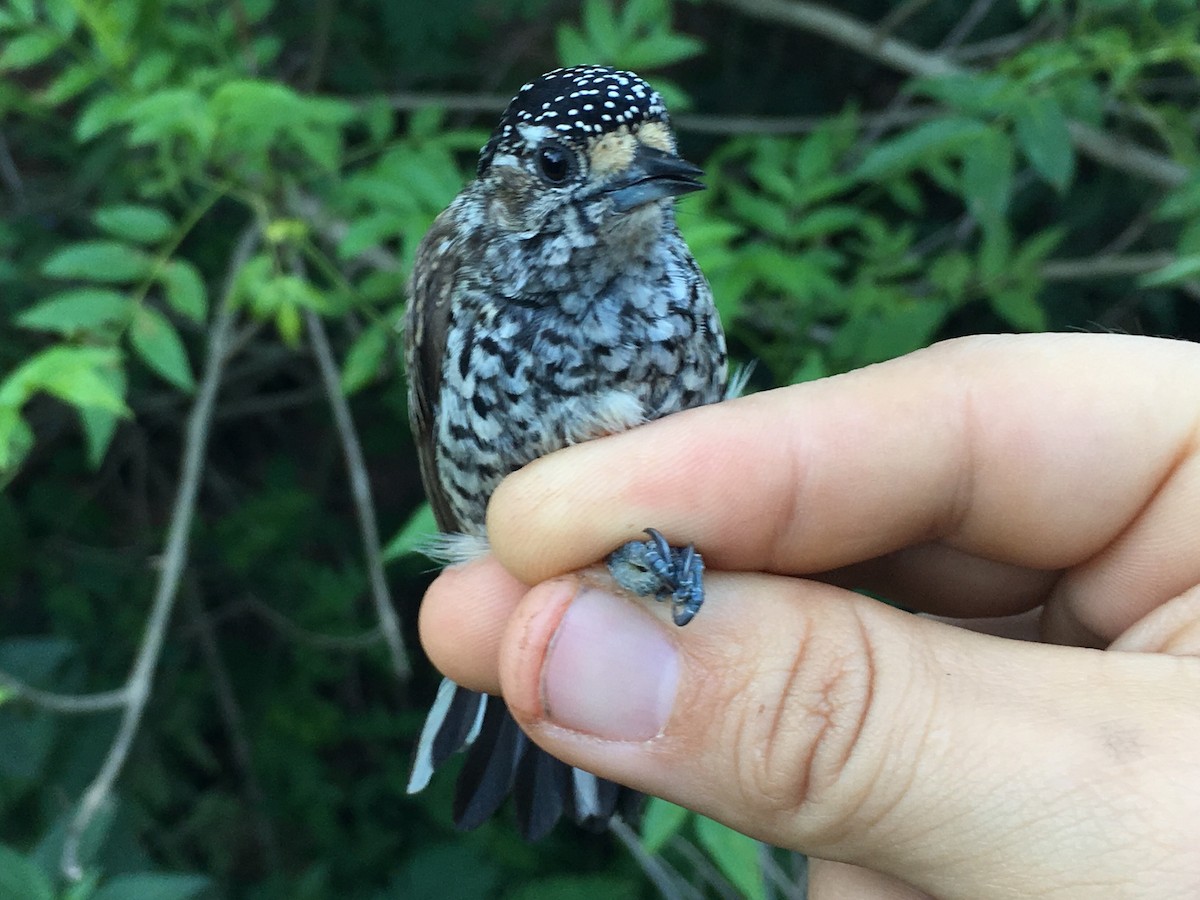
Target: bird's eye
[554, 162]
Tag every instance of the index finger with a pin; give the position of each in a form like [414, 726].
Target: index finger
[1037, 450]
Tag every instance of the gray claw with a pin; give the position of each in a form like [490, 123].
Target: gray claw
[655, 568]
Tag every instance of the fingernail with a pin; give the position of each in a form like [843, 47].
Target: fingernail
[609, 671]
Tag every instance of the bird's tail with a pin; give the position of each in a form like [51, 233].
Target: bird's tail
[501, 760]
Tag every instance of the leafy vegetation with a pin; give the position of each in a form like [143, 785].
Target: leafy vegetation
[210, 210]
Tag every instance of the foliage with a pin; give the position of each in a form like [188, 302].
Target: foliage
[169, 165]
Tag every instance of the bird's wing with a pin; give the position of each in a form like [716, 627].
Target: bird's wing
[430, 301]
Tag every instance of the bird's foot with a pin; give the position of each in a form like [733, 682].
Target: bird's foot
[654, 568]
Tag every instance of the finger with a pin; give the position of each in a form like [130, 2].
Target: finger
[828, 880]
[462, 618]
[942, 580]
[1034, 451]
[816, 719]
[1172, 628]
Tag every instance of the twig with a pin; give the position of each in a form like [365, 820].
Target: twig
[975, 14]
[849, 32]
[309, 209]
[775, 877]
[704, 868]
[1111, 266]
[360, 491]
[10, 174]
[62, 703]
[897, 17]
[174, 559]
[842, 29]
[282, 623]
[670, 884]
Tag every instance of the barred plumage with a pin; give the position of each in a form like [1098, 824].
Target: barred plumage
[552, 302]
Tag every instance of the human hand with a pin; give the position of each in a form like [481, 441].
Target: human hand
[981, 478]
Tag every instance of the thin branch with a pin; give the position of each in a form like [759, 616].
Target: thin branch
[670, 884]
[705, 869]
[888, 25]
[849, 32]
[10, 174]
[70, 704]
[173, 561]
[840, 28]
[975, 14]
[360, 490]
[309, 209]
[1111, 266]
[290, 629]
[775, 877]
[1127, 156]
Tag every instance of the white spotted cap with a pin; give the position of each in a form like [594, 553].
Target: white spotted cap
[578, 103]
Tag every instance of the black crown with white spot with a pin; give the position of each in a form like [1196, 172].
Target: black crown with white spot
[578, 103]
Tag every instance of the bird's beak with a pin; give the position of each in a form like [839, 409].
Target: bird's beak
[653, 175]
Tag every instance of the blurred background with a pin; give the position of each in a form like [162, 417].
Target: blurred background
[210, 682]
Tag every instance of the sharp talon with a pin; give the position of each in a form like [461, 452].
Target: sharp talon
[655, 568]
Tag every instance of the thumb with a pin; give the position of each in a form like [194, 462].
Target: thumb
[816, 719]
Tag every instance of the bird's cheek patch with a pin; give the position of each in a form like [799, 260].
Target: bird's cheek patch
[613, 153]
[658, 136]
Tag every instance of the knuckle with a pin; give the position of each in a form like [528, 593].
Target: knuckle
[798, 725]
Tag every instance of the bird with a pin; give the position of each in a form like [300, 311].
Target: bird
[552, 302]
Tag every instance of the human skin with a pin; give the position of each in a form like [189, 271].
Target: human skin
[1053, 480]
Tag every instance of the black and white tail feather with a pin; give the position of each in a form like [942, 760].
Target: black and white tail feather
[501, 761]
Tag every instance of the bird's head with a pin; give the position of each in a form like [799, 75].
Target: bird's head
[589, 144]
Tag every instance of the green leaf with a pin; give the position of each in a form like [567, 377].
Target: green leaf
[570, 46]
[16, 440]
[141, 224]
[1041, 130]
[20, 879]
[62, 16]
[100, 115]
[1183, 202]
[184, 289]
[916, 148]
[416, 532]
[153, 886]
[1019, 307]
[76, 375]
[364, 358]
[26, 10]
[71, 82]
[659, 50]
[826, 221]
[967, 92]
[80, 309]
[600, 28]
[29, 49]
[734, 854]
[1179, 270]
[987, 176]
[661, 821]
[106, 261]
[99, 425]
[157, 342]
